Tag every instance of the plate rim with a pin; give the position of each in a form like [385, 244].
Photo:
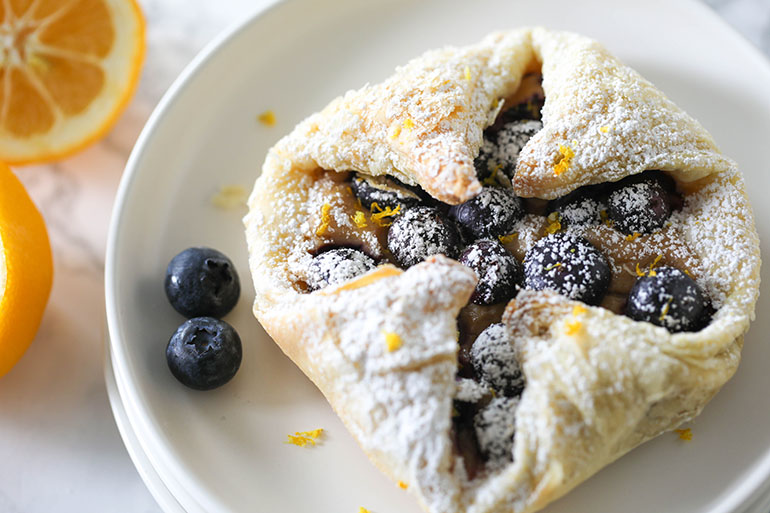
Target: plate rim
[744, 496]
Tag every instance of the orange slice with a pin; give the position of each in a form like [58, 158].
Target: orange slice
[26, 269]
[67, 70]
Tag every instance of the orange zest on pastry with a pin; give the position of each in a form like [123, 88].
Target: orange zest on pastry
[573, 326]
[566, 158]
[360, 219]
[554, 223]
[684, 434]
[554, 266]
[408, 124]
[392, 341]
[325, 219]
[267, 118]
[305, 438]
[633, 236]
[467, 73]
[403, 485]
[384, 271]
[363, 510]
[652, 272]
[604, 129]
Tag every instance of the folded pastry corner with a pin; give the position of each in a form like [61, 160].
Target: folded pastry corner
[505, 266]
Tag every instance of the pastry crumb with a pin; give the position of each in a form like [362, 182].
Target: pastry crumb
[267, 118]
[684, 434]
[229, 197]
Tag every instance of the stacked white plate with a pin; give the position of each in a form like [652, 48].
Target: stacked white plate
[224, 450]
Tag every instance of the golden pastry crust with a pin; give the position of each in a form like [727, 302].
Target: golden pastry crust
[595, 390]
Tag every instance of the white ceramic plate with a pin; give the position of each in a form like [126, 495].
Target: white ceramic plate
[224, 451]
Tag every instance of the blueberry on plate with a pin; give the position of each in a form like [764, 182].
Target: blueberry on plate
[569, 265]
[639, 205]
[668, 298]
[202, 281]
[337, 265]
[386, 191]
[493, 212]
[581, 207]
[494, 361]
[500, 274]
[419, 233]
[204, 353]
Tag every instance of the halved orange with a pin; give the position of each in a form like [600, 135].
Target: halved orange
[26, 269]
[67, 70]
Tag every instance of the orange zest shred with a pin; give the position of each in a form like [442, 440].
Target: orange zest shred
[392, 341]
[652, 272]
[408, 124]
[492, 178]
[554, 223]
[396, 132]
[362, 509]
[639, 272]
[360, 219]
[325, 219]
[665, 309]
[684, 434]
[604, 129]
[305, 438]
[403, 485]
[553, 266]
[633, 236]
[377, 217]
[267, 118]
[508, 238]
[567, 154]
[467, 73]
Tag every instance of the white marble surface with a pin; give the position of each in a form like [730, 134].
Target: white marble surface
[59, 445]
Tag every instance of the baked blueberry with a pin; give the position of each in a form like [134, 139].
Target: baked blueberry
[419, 233]
[495, 426]
[500, 148]
[386, 191]
[639, 206]
[569, 265]
[493, 212]
[337, 265]
[668, 297]
[500, 274]
[202, 281]
[494, 361]
[581, 207]
[204, 353]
